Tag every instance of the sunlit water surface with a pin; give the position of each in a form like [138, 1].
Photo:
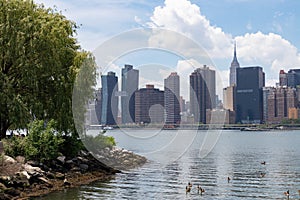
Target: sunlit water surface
[237, 154]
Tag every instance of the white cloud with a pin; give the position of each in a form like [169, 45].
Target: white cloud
[271, 82]
[99, 19]
[184, 17]
[270, 51]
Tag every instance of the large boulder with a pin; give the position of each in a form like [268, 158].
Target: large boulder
[33, 171]
[7, 160]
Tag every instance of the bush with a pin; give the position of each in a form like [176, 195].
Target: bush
[41, 144]
[99, 142]
[71, 146]
[14, 146]
[43, 141]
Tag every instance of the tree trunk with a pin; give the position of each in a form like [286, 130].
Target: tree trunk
[4, 125]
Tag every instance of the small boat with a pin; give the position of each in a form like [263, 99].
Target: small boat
[108, 128]
[254, 129]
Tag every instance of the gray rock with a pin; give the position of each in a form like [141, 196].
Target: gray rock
[33, 163]
[61, 159]
[82, 160]
[34, 171]
[69, 162]
[8, 160]
[75, 169]
[83, 166]
[24, 173]
[45, 180]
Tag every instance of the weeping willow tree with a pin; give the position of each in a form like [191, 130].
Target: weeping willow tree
[39, 62]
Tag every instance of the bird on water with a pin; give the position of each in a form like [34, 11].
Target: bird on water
[287, 193]
[187, 189]
[228, 179]
[200, 190]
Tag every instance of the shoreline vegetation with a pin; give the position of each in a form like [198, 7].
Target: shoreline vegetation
[46, 160]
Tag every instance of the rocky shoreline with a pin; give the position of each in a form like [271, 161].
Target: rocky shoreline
[20, 179]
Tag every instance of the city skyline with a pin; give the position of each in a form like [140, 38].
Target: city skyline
[247, 102]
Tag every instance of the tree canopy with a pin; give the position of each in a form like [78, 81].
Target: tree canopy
[39, 60]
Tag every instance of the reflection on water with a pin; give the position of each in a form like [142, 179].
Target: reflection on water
[237, 155]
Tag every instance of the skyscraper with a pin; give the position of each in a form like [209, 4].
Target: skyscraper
[293, 78]
[202, 93]
[130, 81]
[149, 103]
[229, 97]
[249, 98]
[109, 109]
[234, 65]
[172, 99]
[282, 78]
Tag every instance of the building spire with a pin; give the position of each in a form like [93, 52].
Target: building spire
[235, 61]
[234, 65]
[234, 54]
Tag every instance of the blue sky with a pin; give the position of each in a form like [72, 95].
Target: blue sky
[266, 31]
[243, 16]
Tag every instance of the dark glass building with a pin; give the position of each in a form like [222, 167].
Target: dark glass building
[130, 81]
[249, 96]
[293, 78]
[202, 93]
[109, 108]
[172, 99]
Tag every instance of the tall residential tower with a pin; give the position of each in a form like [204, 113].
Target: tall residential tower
[202, 93]
[130, 81]
[172, 99]
[109, 108]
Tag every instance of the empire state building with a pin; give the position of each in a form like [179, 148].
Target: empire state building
[234, 65]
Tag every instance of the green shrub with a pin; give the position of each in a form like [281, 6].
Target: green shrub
[99, 142]
[71, 146]
[43, 141]
[14, 146]
[41, 144]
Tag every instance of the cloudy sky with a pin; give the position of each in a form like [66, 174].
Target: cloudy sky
[266, 32]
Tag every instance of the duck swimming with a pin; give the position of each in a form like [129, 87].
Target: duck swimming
[200, 190]
[187, 189]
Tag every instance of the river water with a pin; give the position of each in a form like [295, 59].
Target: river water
[172, 165]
